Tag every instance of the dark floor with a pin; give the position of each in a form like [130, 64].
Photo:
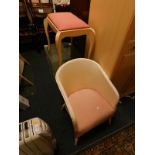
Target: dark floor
[45, 100]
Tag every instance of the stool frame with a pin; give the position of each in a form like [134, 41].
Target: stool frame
[60, 34]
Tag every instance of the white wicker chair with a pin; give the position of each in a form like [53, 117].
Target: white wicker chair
[89, 95]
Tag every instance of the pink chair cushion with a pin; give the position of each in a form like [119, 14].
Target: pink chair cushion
[90, 109]
[66, 21]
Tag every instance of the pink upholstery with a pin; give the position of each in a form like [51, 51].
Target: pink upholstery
[90, 109]
[66, 21]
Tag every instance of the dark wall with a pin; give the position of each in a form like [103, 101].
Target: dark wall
[81, 9]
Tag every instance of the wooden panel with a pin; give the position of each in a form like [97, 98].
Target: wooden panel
[111, 20]
[125, 73]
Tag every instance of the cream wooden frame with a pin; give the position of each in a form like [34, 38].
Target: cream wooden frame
[89, 32]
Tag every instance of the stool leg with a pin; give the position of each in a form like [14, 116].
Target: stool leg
[47, 34]
[58, 39]
[90, 43]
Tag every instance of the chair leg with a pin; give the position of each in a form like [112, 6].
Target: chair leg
[120, 102]
[63, 106]
[76, 140]
[22, 58]
[109, 120]
[24, 78]
[47, 34]
[58, 39]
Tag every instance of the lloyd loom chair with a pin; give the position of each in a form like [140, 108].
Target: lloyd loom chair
[89, 95]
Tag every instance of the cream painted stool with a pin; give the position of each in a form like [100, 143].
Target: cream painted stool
[66, 24]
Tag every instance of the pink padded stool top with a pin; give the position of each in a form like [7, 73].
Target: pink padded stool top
[90, 108]
[66, 21]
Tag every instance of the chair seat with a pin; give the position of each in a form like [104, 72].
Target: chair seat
[66, 21]
[90, 109]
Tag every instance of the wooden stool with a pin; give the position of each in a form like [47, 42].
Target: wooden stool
[66, 24]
